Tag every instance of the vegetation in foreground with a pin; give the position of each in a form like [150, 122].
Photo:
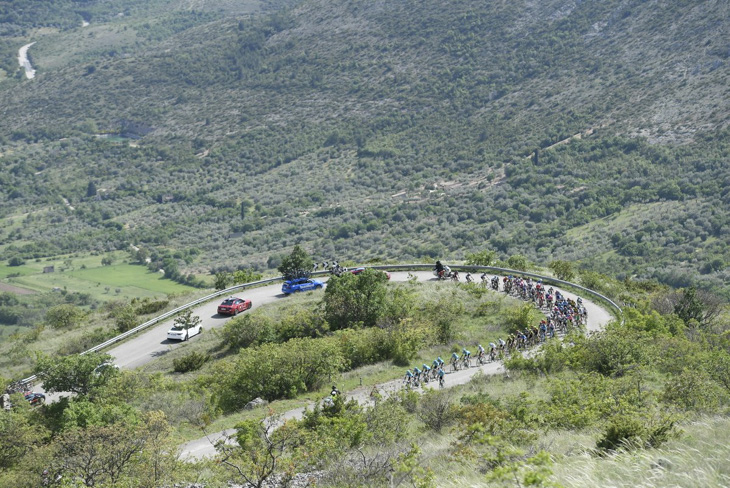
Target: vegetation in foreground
[634, 392]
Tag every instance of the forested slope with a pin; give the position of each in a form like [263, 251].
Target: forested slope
[378, 130]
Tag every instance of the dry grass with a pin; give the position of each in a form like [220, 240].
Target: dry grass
[698, 458]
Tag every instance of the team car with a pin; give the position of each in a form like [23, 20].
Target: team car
[233, 306]
[357, 271]
[35, 398]
[180, 333]
[300, 284]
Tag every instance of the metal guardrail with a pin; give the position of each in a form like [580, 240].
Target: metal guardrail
[404, 267]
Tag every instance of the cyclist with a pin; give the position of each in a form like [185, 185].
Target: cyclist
[466, 356]
[334, 391]
[426, 372]
[416, 375]
[454, 361]
[481, 351]
[408, 378]
[468, 277]
[441, 377]
[501, 343]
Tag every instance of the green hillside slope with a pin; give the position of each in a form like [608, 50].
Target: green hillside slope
[377, 130]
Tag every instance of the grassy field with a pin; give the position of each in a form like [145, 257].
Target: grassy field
[85, 274]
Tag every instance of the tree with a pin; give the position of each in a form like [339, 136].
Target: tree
[91, 189]
[246, 275]
[78, 374]
[117, 453]
[125, 318]
[261, 451]
[298, 264]
[518, 262]
[222, 280]
[562, 269]
[349, 299]
[18, 436]
[482, 258]
[246, 204]
[107, 261]
[64, 316]
[16, 261]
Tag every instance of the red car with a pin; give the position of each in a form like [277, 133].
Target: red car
[357, 271]
[233, 305]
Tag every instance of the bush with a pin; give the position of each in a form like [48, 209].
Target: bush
[274, 371]
[190, 362]
[148, 307]
[16, 261]
[364, 346]
[631, 431]
[305, 323]
[522, 317]
[436, 410]
[247, 331]
[64, 316]
[125, 318]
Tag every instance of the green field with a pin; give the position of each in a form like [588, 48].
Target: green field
[85, 274]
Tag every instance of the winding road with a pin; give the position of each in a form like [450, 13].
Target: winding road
[152, 344]
[25, 62]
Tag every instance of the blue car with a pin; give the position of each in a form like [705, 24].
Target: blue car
[300, 284]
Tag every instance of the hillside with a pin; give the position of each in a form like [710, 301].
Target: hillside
[383, 130]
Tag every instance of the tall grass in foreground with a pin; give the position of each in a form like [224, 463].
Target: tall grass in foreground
[700, 458]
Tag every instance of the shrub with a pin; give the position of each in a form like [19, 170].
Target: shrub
[436, 410]
[274, 371]
[148, 307]
[125, 318]
[522, 317]
[247, 331]
[364, 346]
[305, 323]
[632, 431]
[16, 261]
[64, 316]
[190, 362]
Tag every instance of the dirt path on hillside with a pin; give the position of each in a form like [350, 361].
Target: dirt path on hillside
[25, 62]
[5, 287]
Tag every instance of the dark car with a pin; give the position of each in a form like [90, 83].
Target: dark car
[357, 271]
[233, 305]
[300, 284]
[35, 398]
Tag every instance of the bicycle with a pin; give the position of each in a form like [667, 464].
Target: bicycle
[441, 381]
[454, 364]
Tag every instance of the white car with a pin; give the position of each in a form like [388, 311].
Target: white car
[180, 333]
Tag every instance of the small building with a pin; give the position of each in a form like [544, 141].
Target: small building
[49, 269]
